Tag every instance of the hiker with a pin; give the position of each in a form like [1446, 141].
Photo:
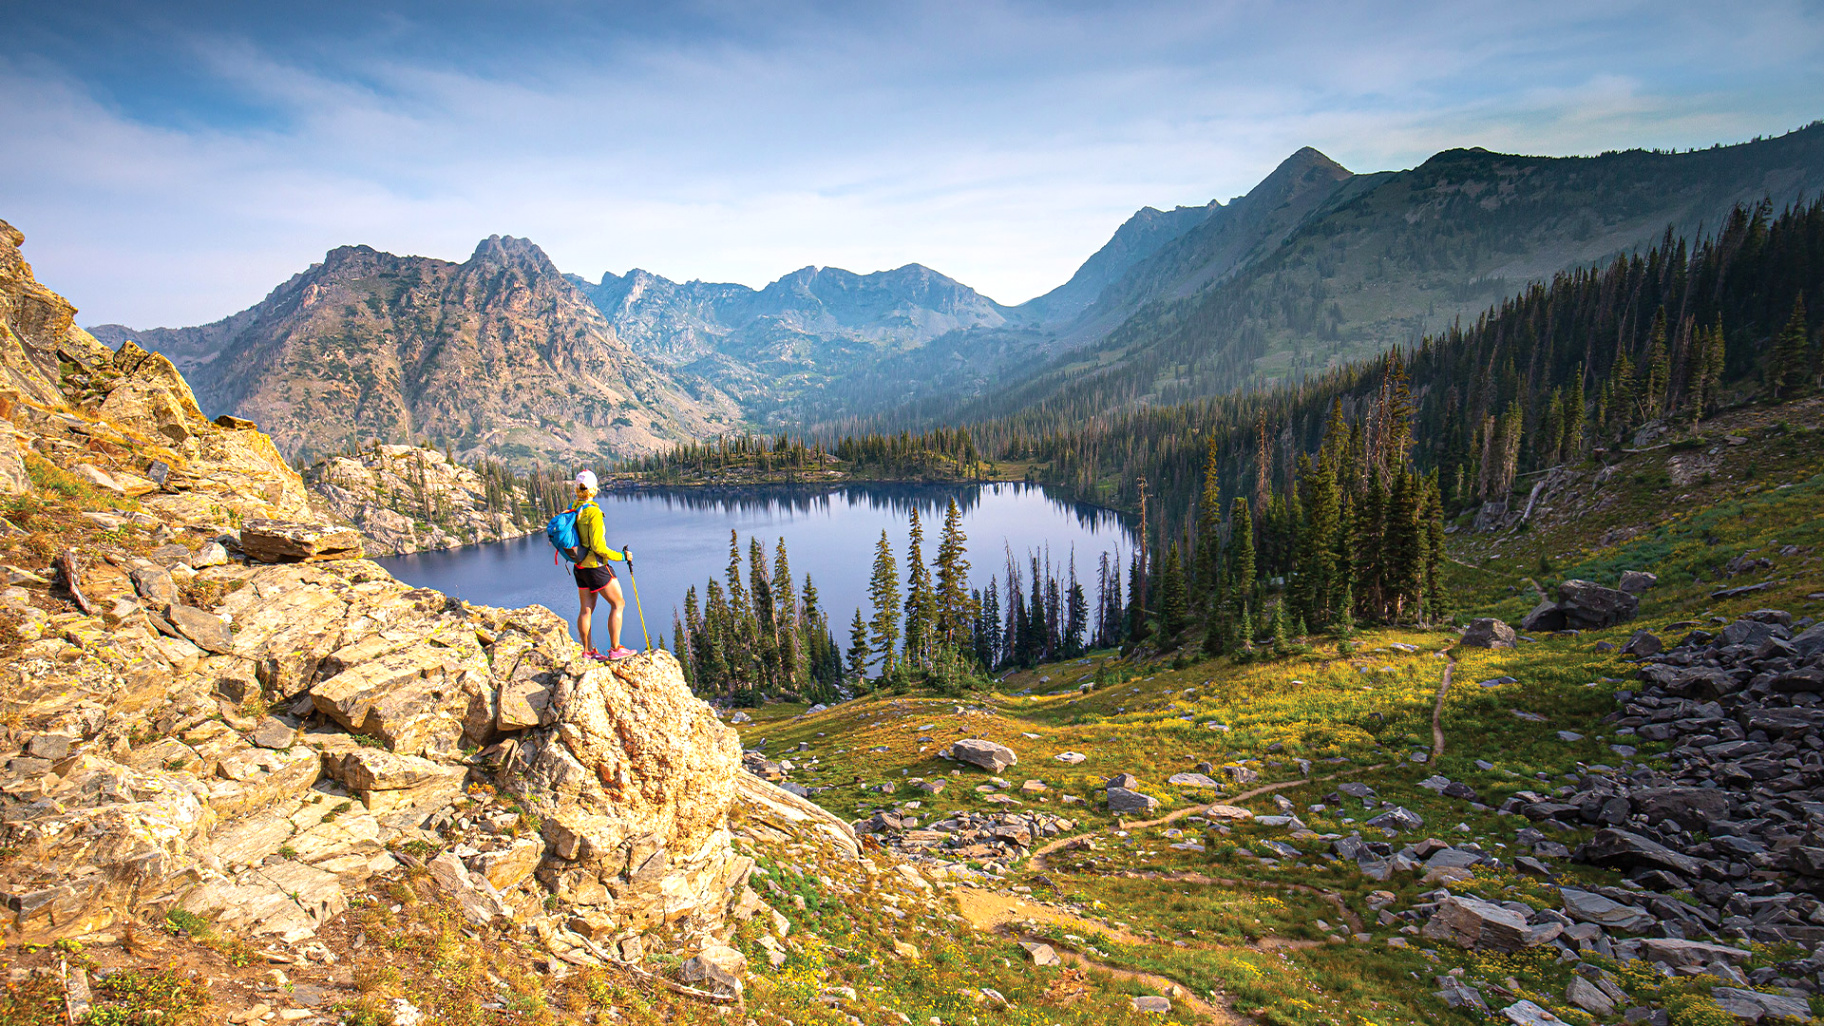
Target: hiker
[593, 574]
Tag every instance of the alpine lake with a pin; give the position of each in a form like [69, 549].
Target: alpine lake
[680, 538]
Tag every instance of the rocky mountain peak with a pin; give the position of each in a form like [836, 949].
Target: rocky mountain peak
[507, 250]
[1303, 169]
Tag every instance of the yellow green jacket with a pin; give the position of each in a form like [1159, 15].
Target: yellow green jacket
[589, 531]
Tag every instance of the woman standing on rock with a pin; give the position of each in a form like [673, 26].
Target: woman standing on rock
[593, 574]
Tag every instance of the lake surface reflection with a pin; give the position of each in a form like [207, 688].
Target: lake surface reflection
[679, 538]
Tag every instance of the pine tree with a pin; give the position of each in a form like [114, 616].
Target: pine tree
[1054, 615]
[1209, 531]
[693, 630]
[1369, 549]
[1241, 552]
[1263, 468]
[1174, 610]
[785, 619]
[1706, 370]
[1218, 628]
[1314, 571]
[921, 603]
[1077, 619]
[1573, 418]
[681, 649]
[1621, 399]
[1654, 371]
[1789, 366]
[766, 626]
[1139, 624]
[712, 661]
[1032, 637]
[1109, 611]
[1432, 520]
[988, 625]
[740, 638]
[883, 591]
[859, 655]
[1276, 628]
[1404, 538]
[1242, 641]
[954, 612]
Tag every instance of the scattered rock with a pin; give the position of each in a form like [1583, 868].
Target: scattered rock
[204, 629]
[1041, 954]
[1125, 802]
[277, 541]
[1526, 1013]
[988, 755]
[1488, 632]
[1637, 582]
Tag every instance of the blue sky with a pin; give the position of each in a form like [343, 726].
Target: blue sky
[171, 162]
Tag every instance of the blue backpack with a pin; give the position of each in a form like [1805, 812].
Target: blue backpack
[561, 532]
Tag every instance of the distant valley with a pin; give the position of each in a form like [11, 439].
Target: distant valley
[1317, 266]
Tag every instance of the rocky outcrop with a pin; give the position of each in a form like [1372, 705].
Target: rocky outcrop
[1583, 605]
[405, 498]
[279, 541]
[634, 780]
[240, 719]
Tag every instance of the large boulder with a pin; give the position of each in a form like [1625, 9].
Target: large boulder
[1122, 801]
[1546, 616]
[1474, 923]
[634, 779]
[1488, 632]
[1693, 808]
[279, 541]
[1590, 907]
[1753, 1005]
[1582, 605]
[986, 754]
[1622, 849]
[1588, 606]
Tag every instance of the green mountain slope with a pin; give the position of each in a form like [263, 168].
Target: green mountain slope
[1384, 259]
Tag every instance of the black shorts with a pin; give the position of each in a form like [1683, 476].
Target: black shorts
[594, 578]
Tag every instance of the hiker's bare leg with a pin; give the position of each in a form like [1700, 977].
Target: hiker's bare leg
[616, 603]
[585, 601]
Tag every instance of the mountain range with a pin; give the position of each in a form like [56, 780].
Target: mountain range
[498, 354]
[1315, 266]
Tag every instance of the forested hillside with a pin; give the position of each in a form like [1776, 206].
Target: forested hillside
[1581, 363]
[1385, 261]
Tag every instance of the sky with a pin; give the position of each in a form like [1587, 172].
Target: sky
[172, 162]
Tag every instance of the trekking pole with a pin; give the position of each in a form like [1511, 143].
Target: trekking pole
[636, 599]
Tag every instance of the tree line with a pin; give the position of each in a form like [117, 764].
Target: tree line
[941, 453]
[1358, 536]
[1581, 363]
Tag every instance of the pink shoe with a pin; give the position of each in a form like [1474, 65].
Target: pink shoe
[597, 656]
[620, 652]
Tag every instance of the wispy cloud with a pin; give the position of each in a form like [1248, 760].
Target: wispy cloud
[171, 168]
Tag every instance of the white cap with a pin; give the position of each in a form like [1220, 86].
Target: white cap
[586, 479]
